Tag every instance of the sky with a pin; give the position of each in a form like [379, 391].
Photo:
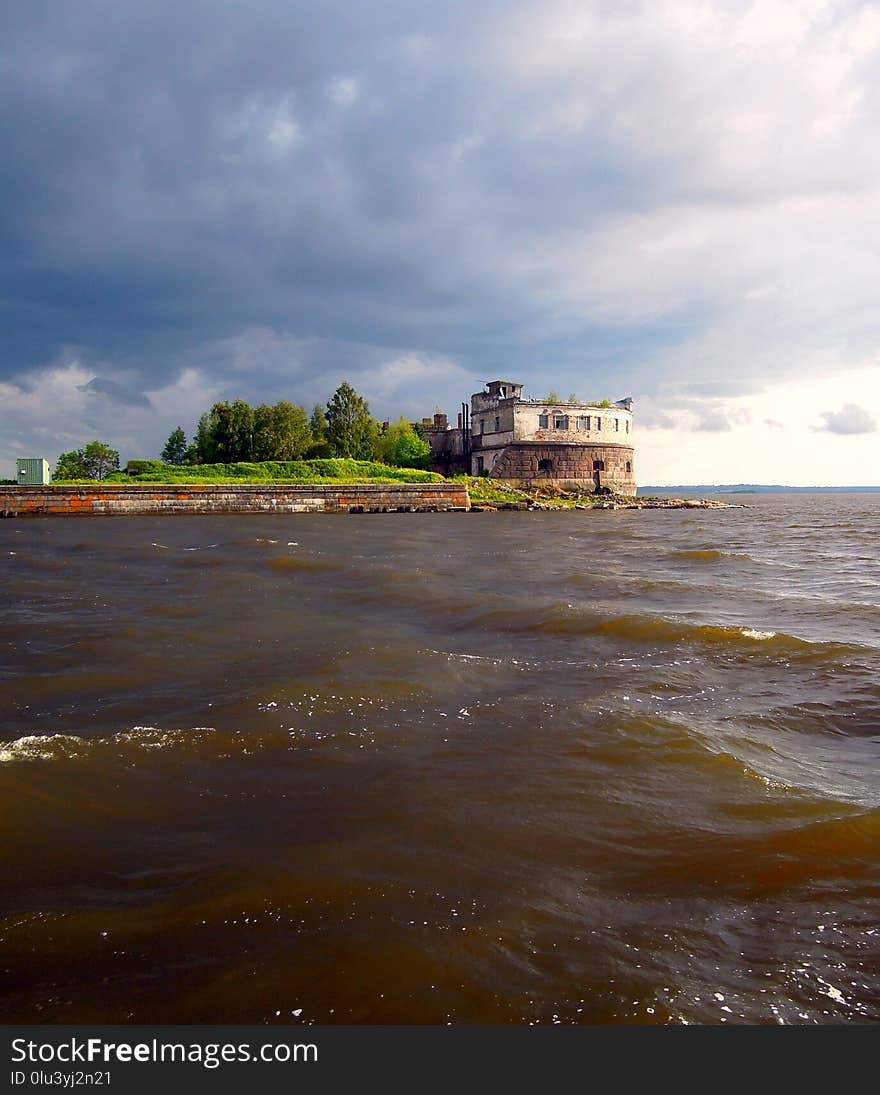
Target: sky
[673, 200]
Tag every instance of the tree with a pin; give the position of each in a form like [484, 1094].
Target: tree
[318, 424]
[175, 447]
[281, 432]
[351, 430]
[218, 434]
[226, 433]
[572, 398]
[99, 460]
[402, 447]
[69, 465]
[94, 461]
[553, 397]
[204, 446]
[241, 432]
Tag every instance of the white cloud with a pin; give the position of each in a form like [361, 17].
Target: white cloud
[712, 420]
[772, 438]
[850, 419]
[413, 382]
[59, 412]
[344, 90]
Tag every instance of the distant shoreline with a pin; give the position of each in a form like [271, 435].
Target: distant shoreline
[752, 488]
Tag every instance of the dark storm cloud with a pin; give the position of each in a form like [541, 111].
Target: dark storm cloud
[203, 198]
[177, 173]
[116, 393]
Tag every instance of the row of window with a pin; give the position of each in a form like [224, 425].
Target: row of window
[563, 422]
[547, 465]
[598, 465]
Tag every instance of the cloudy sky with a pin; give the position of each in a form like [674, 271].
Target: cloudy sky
[671, 199]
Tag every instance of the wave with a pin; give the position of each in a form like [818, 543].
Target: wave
[197, 547]
[47, 747]
[709, 555]
[286, 564]
[42, 747]
[567, 620]
[342, 717]
[848, 717]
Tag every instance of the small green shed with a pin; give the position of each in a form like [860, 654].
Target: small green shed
[32, 473]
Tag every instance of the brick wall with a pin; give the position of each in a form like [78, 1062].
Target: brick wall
[137, 499]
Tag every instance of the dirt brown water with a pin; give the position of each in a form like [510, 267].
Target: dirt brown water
[614, 767]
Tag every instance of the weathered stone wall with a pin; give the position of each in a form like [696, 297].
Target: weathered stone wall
[572, 463]
[138, 499]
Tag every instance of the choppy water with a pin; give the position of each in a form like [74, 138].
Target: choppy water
[612, 767]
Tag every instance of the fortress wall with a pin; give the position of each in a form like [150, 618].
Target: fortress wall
[571, 463]
[527, 427]
[140, 499]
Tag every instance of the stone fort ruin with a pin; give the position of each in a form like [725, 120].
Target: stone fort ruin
[525, 441]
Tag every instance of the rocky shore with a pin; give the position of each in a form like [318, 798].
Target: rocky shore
[554, 498]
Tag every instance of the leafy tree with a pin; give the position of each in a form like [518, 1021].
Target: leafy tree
[99, 460]
[573, 398]
[264, 433]
[175, 447]
[241, 432]
[318, 424]
[351, 430]
[94, 461]
[220, 441]
[225, 433]
[69, 465]
[402, 447]
[320, 447]
[553, 397]
[204, 446]
[281, 432]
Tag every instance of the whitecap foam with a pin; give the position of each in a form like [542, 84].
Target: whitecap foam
[753, 633]
[70, 746]
[41, 747]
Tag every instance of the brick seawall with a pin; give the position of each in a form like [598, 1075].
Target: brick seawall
[139, 499]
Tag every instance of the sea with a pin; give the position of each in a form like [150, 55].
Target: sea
[610, 767]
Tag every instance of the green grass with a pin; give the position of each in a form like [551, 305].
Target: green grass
[543, 492]
[488, 492]
[272, 471]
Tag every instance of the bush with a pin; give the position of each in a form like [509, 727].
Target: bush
[273, 471]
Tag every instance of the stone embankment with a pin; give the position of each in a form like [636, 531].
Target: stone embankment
[144, 499]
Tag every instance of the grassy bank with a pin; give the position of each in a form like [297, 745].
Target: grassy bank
[274, 471]
[543, 495]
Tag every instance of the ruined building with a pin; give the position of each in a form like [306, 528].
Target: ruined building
[523, 441]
